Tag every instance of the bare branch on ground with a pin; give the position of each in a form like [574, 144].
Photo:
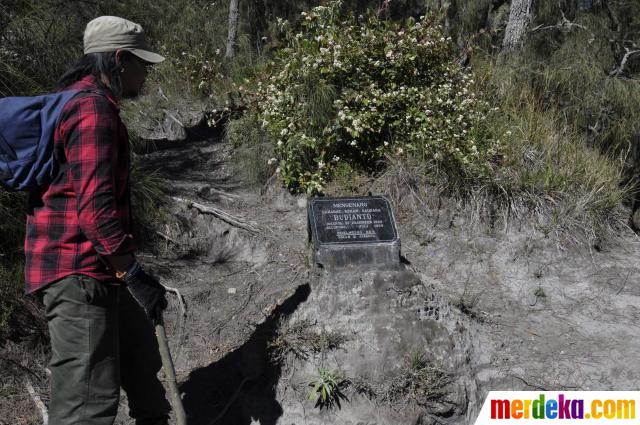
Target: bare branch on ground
[37, 401]
[222, 215]
[623, 63]
[175, 291]
[170, 239]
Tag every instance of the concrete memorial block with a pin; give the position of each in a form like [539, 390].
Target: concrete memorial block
[354, 232]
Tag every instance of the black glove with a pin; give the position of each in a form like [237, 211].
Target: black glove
[147, 291]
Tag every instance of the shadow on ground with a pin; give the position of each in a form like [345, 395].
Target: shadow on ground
[239, 389]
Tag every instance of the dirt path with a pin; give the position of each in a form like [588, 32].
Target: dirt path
[507, 311]
[235, 282]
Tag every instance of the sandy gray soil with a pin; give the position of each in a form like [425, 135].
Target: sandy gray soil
[472, 310]
[499, 310]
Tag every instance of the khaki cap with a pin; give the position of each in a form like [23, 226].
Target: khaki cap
[110, 33]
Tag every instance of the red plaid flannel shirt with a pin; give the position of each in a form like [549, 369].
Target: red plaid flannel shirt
[85, 212]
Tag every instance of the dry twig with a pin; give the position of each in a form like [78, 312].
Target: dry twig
[564, 23]
[623, 63]
[222, 215]
[183, 307]
[38, 401]
[170, 239]
[182, 319]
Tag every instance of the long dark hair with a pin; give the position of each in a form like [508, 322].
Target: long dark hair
[96, 64]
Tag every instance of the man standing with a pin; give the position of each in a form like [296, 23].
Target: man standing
[99, 303]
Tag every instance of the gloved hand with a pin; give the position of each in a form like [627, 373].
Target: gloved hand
[147, 291]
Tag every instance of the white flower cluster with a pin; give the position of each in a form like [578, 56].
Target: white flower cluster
[398, 91]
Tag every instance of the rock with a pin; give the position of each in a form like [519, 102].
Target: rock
[155, 118]
[174, 125]
[399, 334]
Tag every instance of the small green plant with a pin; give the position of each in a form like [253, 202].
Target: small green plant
[539, 293]
[326, 389]
[417, 360]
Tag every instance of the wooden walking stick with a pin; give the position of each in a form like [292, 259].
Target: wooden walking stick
[169, 370]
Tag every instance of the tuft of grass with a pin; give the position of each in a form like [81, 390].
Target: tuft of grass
[539, 293]
[301, 340]
[420, 380]
[11, 292]
[148, 193]
[12, 224]
[573, 191]
[417, 360]
[326, 389]
[253, 149]
[467, 303]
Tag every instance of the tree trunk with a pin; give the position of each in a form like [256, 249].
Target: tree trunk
[233, 29]
[258, 15]
[519, 18]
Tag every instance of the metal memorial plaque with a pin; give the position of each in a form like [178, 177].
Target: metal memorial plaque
[352, 220]
[359, 231]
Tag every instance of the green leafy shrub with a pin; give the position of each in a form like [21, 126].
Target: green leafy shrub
[359, 89]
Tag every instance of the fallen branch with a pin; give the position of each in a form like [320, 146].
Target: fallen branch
[222, 215]
[38, 402]
[563, 24]
[159, 233]
[524, 381]
[174, 119]
[623, 63]
[183, 307]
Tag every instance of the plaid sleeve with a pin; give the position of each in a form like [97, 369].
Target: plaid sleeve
[91, 149]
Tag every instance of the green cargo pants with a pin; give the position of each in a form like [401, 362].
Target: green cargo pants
[101, 340]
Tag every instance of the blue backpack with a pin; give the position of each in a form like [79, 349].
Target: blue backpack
[27, 126]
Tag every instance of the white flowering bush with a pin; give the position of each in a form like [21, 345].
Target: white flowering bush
[201, 66]
[357, 89]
